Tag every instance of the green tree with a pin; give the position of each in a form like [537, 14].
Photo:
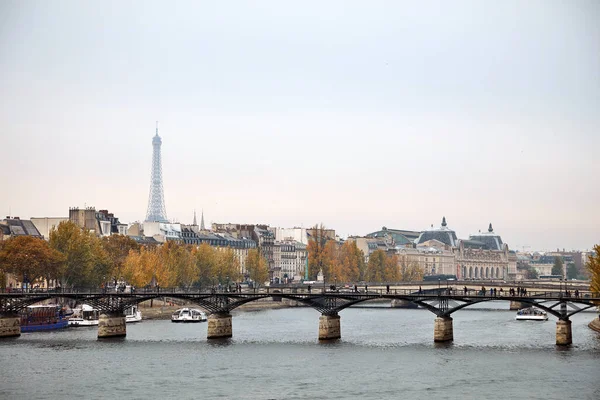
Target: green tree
[531, 273]
[86, 263]
[256, 266]
[376, 267]
[557, 268]
[572, 272]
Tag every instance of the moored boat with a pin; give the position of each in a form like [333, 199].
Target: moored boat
[531, 314]
[85, 315]
[188, 315]
[43, 318]
[133, 314]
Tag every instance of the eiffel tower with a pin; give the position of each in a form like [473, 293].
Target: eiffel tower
[157, 211]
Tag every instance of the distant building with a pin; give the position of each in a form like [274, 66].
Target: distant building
[401, 237]
[442, 234]
[484, 256]
[45, 224]
[262, 236]
[162, 231]
[15, 226]
[101, 223]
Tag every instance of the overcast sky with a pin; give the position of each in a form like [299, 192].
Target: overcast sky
[355, 114]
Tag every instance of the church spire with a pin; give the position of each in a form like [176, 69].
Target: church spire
[195, 220]
[202, 221]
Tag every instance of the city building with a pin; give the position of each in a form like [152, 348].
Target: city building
[442, 234]
[399, 236]
[101, 223]
[46, 224]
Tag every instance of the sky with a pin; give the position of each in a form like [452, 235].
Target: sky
[353, 114]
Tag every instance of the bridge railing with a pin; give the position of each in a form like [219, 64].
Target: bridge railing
[328, 290]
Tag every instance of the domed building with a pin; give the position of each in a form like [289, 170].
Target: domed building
[487, 240]
[442, 234]
[484, 256]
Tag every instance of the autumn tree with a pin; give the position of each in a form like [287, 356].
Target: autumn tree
[140, 268]
[30, 259]
[351, 262]
[410, 270]
[257, 268]
[85, 260]
[319, 258]
[593, 265]
[205, 258]
[117, 248]
[227, 267]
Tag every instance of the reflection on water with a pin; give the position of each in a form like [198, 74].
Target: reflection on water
[383, 353]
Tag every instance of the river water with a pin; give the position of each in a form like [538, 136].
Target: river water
[274, 354]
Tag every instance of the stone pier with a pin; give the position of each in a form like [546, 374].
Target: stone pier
[10, 325]
[517, 305]
[219, 326]
[329, 327]
[111, 325]
[442, 330]
[564, 335]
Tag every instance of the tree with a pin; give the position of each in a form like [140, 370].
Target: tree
[256, 265]
[85, 261]
[376, 266]
[30, 259]
[593, 265]
[531, 273]
[117, 248]
[557, 269]
[572, 272]
[410, 270]
[205, 259]
[227, 267]
[350, 262]
[317, 257]
[140, 268]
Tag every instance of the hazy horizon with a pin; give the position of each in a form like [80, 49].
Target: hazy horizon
[358, 117]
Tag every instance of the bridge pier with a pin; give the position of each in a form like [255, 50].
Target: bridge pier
[219, 326]
[111, 325]
[516, 305]
[329, 327]
[10, 325]
[564, 335]
[443, 330]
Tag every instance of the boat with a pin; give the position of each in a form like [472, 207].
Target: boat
[43, 317]
[133, 314]
[188, 315]
[86, 315]
[531, 314]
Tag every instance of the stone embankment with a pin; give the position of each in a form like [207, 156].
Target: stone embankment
[163, 310]
[595, 324]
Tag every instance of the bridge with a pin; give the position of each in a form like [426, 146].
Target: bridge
[441, 301]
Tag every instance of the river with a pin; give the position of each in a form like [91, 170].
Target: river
[274, 354]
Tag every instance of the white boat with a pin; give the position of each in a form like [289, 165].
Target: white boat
[531, 314]
[85, 315]
[133, 314]
[188, 315]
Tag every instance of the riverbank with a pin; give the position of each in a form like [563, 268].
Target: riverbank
[163, 310]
